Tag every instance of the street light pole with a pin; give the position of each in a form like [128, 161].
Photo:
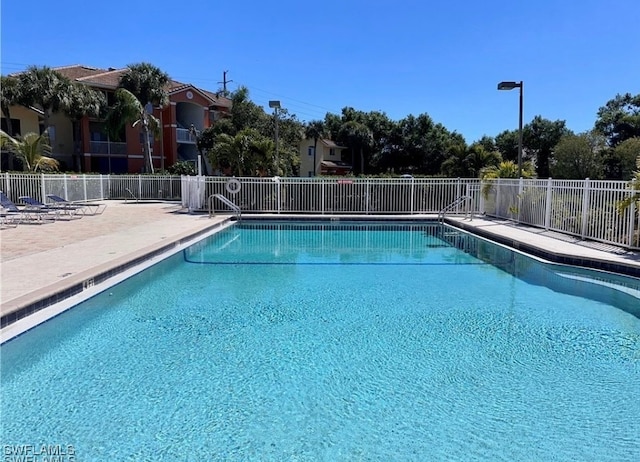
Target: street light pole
[276, 105]
[511, 86]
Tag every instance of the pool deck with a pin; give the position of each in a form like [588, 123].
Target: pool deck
[42, 264]
[43, 261]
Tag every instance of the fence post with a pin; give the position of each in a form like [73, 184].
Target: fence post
[631, 227]
[585, 207]
[520, 192]
[458, 194]
[278, 194]
[497, 212]
[84, 186]
[43, 192]
[322, 194]
[547, 210]
[7, 184]
[66, 193]
[140, 186]
[413, 190]
[101, 188]
[170, 186]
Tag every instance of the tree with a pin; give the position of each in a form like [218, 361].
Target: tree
[455, 165]
[128, 109]
[624, 156]
[11, 96]
[358, 138]
[540, 137]
[507, 145]
[141, 87]
[634, 186]
[479, 157]
[619, 119]
[246, 153]
[424, 143]
[619, 161]
[315, 130]
[506, 169]
[45, 89]
[579, 156]
[83, 101]
[246, 114]
[32, 149]
[489, 144]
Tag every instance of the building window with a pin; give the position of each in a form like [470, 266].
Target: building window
[15, 126]
[310, 150]
[332, 152]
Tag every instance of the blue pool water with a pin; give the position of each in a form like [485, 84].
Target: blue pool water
[334, 342]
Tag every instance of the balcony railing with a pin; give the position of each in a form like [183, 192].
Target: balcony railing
[108, 147]
[185, 136]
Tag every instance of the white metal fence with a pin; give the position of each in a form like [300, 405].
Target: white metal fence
[78, 187]
[332, 195]
[583, 208]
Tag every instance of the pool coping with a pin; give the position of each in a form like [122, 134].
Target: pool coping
[602, 263]
[29, 304]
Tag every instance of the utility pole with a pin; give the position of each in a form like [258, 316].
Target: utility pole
[224, 83]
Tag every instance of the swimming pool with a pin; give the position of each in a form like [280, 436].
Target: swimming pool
[337, 341]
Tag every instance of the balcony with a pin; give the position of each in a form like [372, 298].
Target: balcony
[108, 148]
[185, 136]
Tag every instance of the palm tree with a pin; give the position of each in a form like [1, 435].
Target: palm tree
[479, 158]
[10, 96]
[246, 153]
[45, 89]
[142, 86]
[505, 169]
[455, 164]
[84, 101]
[315, 130]
[263, 150]
[32, 149]
[129, 109]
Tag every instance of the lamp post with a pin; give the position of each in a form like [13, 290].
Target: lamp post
[511, 86]
[276, 105]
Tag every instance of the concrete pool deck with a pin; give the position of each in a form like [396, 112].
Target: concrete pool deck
[41, 261]
[42, 264]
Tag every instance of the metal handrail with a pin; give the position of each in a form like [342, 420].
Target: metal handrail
[132, 195]
[455, 204]
[226, 202]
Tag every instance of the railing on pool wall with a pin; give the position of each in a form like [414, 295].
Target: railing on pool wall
[583, 208]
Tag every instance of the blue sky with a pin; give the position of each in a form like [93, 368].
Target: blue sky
[400, 57]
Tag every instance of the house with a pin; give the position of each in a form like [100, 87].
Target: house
[84, 145]
[327, 160]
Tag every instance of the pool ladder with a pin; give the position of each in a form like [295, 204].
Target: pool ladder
[229, 203]
[460, 201]
[132, 195]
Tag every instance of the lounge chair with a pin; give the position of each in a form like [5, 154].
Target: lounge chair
[9, 219]
[24, 215]
[87, 208]
[34, 205]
